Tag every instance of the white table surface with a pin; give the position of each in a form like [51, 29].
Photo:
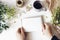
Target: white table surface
[32, 25]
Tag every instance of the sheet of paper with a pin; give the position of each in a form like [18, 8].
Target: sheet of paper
[32, 24]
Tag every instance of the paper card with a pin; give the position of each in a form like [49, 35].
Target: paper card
[32, 24]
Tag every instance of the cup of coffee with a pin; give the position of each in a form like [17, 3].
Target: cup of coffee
[37, 5]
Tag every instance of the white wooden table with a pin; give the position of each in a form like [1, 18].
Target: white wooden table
[32, 25]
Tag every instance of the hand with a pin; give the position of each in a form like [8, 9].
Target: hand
[22, 33]
[47, 30]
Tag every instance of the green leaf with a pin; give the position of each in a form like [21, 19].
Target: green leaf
[1, 30]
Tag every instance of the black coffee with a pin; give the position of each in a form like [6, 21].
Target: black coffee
[37, 5]
[19, 2]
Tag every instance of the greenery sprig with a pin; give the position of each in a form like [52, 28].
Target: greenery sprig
[6, 12]
[56, 16]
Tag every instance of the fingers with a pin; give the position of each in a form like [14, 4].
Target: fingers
[19, 30]
[46, 26]
[22, 31]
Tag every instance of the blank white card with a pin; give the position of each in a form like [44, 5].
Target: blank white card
[32, 24]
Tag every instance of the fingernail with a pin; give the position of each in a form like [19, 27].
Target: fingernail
[23, 29]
